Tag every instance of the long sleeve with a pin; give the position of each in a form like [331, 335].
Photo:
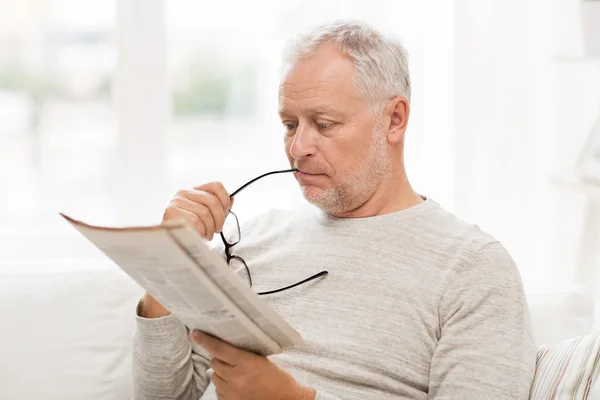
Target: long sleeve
[485, 348]
[326, 396]
[166, 364]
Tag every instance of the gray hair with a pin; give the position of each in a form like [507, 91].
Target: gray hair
[381, 61]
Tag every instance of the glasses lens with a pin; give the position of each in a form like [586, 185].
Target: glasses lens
[239, 267]
[231, 229]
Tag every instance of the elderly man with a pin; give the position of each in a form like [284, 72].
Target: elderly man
[417, 303]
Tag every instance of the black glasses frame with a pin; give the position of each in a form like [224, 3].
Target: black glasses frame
[229, 246]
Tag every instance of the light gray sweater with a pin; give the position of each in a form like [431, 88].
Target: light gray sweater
[417, 305]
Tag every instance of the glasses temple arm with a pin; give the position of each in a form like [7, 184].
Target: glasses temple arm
[245, 185]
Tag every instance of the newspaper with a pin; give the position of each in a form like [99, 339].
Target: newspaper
[173, 263]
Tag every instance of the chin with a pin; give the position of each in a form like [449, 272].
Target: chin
[312, 193]
[326, 200]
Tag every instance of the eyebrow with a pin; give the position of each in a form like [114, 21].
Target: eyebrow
[317, 109]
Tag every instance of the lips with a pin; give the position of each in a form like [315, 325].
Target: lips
[308, 176]
[308, 173]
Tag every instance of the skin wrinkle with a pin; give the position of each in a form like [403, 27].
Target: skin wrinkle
[358, 162]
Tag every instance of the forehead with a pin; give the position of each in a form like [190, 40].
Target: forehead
[324, 80]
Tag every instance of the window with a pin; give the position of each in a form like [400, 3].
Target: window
[57, 120]
[83, 86]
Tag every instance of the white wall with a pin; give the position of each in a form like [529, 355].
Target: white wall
[524, 102]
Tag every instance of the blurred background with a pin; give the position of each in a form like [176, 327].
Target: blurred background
[107, 108]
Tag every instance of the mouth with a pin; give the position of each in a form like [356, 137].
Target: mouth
[305, 173]
[311, 178]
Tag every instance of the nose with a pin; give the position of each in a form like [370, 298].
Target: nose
[302, 143]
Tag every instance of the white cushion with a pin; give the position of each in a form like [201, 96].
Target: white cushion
[568, 369]
[66, 329]
[559, 313]
[50, 243]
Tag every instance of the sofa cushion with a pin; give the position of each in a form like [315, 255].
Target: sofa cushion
[568, 369]
[66, 330]
[559, 312]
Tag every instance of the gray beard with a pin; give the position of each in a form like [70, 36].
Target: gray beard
[359, 184]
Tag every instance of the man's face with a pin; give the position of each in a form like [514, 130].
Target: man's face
[331, 136]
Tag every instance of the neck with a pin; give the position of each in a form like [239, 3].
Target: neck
[393, 194]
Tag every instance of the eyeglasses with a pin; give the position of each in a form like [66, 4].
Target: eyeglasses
[232, 234]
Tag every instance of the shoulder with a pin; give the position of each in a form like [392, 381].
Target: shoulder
[456, 243]
[471, 258]
[490, 265]
[452, 230]
[478, 266]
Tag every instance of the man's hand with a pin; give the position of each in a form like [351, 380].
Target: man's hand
[205, 207]
[241, 375]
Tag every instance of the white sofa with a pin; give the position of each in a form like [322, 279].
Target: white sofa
[67, 323]
[66, 329]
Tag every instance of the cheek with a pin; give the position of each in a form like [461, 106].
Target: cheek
[336, 154]
[347, 151]
[345, 155]
[287, 144]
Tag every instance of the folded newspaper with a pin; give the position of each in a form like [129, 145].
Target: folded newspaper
[173, 263]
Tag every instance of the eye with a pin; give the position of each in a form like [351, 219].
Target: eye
[289, 126]
[323, 125]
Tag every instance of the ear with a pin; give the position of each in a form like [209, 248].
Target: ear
[396, 112]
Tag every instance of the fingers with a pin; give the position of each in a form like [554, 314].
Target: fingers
[219, 383]
[206, 207]
[217, 189]
[203, 213]
[220, 367]
[218, 348]
[198, 225]
[208, 200]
